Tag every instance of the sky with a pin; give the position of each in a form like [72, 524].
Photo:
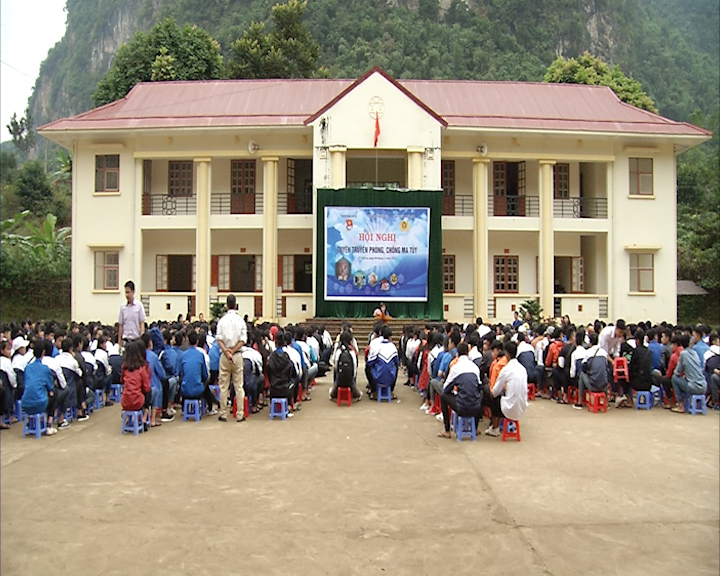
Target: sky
[28, 29]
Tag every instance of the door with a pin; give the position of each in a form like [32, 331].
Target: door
[242, 189]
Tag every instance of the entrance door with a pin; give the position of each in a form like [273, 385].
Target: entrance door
[242, 188]
[509, 188]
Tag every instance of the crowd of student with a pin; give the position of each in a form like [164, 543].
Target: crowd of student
[471, 369]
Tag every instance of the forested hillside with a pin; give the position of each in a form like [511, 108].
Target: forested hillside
[670, 46]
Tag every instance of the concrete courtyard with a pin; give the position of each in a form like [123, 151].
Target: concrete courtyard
[366, 490]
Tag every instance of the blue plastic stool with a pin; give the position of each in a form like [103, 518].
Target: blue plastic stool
[71, 414]
[192, 409]
[647, 400]
[384, 393]
[18, 410]
[215, 389]
[657, 395]
[132, 421]
[34, 424]
[116, 392]
[696, 404]
[464, 427]
[278, 408]
[7, 419]
[99, 399]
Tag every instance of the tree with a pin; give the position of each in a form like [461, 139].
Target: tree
[167, 52]
[33, 188]
[288, 51]
[22, 132]
[589, 69]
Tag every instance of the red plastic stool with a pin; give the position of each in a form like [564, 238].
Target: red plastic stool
[620, 369]
[344, 394]
[246, 408]
[507, 433]
[597, 402]
[531, 391]
[436, 407]
[572, 395]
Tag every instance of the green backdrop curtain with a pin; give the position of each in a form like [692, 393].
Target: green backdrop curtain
[433, 308]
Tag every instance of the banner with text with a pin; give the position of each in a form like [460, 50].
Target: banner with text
[374, 253]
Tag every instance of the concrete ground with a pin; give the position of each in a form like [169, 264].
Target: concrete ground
[365, 490]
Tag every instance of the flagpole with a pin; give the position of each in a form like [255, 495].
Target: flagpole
[376, 167]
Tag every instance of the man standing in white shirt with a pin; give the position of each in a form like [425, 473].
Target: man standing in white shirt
[231, 337]
[132, 316]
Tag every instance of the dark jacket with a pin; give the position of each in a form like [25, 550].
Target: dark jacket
[640, 368]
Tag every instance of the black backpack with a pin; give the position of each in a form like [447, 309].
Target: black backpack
[345, 368]
[712, 363]
[280, 373]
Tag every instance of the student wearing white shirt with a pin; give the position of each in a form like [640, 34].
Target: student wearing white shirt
[103, 372]
[511, 387]
[9, 382]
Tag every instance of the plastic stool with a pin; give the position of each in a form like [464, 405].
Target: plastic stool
[192, 409]
[246, 409]
[116, 392]
[510, 429]
[647, 400]
[132, 421]
[620, 369]
[18, 410]
[34, 424]
[572, 394]
[464, 427]
[696, 404]
[7, 419]
[278, 408]
[99, 399]
[597, 402]
[657, 395]
[71, 414]
[531, 391]
[384, 393]
[215, 389]
[344, 394]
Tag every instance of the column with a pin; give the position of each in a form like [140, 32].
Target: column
[610, 238]
[338, 168]
[136, 254]
[547, 239]
[202, 239]
[480, 235]
[270, 241]
[415, 167]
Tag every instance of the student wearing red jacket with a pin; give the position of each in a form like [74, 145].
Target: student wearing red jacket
[136, 379]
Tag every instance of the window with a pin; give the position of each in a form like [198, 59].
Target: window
[448, 187]
[642, 273]
[180, 178]
[577, 273]
[449, 274]
[299, 186]
[509, 189]
[288, 273]
[561, 180]
[506, 274]
[107, 270]
[242, 186]
[107, 173]
[641, 176]
[295, 273]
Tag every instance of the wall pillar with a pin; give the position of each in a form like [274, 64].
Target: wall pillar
[202, 239]
[480, 235]
[136, 254]
[338, 167]
[415, 167]
[270, 239]
[547, 239]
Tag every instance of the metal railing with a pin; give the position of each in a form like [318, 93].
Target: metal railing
[165, 205]
[458, 206]
[294, 204]
[227, 203]
[580, 208]
[518, 206]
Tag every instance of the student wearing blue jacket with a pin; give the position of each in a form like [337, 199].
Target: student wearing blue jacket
[383, 362]
[157, 375]
[193, 374]
[39, 395]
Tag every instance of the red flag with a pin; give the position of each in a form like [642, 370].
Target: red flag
[377, 129]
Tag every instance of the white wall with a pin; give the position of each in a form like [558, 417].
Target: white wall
[521, 244]
[459, 244]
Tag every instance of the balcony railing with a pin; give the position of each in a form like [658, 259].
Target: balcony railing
[294, 204]
[580, 208]
[166, 205]
[518, 206]
[227, 203]
[457, 205]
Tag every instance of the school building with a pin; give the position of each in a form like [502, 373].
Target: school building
[555, 192]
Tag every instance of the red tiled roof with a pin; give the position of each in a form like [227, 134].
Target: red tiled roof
[490, 105]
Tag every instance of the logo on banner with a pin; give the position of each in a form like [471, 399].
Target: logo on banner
[349, 224]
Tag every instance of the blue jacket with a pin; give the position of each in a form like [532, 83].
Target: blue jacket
[38, 382]
[169, 359]
[444, 363]
[700, 349]
[383, 363]
[157, 372]
[193, 373]
[215, 354]
[655, 354]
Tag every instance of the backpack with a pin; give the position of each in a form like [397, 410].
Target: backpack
[345, 368]
[712, 363]
[280, 373]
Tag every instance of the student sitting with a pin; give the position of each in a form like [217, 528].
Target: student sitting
[511, 388]
[281, 372]
[594, 376]
[688, 378]
[193, 374]
[136, 380]
[712, 368]
[73, 377]
[9, 382]
[345, 363]
[640, 367]
[383, 362]
[157, 375]
[39, 395]
[461, 391]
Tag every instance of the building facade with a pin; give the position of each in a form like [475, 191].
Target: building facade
[554, 192]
